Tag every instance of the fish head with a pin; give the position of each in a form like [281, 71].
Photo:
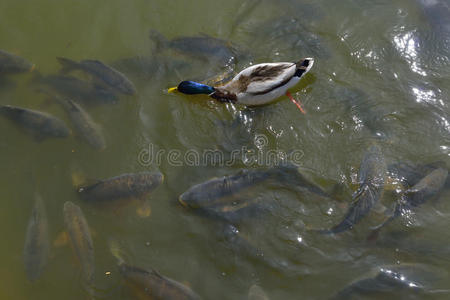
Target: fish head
[205, 195]
[189, 200]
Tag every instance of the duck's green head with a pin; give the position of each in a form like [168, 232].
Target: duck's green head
[192, 87]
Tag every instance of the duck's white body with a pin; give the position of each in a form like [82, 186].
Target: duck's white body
[263, 83]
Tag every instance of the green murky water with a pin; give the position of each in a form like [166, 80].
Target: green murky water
[381, 74]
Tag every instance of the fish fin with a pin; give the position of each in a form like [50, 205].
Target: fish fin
[67, 65]
[160, 41]
[144, 210]
[256, 292]
[78, 179]
[360, 207]
[61, 239]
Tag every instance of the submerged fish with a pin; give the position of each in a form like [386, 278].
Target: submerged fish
[221, 195]
[427, 188]
[149, 284]
[372, 178]
[11, 63]
[78, 89]
[404, 278]
[39, 124]
[102, 72]
[37, 245]
[80, 238]
[132, 185]
[410, 174]
[257, 293]
[203, 47]
[83, 123]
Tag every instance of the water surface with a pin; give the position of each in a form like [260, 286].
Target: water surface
[381, 75]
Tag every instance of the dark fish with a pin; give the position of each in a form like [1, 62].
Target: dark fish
[77, 89]
[102, 72]
[406, 278]
[372, 178]
[203, 47]
[39, 124]
[132, 185]
[257, 293]
[149, 284]
[36, 249]
[222, 194]
[83, 123]
[427, 188]
[11, 63]
[410, 174]
[80, 238]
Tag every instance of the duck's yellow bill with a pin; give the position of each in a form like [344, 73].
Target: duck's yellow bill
[172, 89]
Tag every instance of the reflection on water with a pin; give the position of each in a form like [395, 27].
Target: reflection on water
[381, 76]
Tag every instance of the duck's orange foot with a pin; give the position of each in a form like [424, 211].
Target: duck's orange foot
[295, 102]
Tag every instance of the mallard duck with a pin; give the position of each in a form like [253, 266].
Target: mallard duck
[255, 85]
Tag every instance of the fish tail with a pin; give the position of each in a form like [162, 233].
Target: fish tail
[67, 64]
[160, 41]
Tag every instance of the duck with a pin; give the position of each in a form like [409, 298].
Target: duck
[256, 85]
